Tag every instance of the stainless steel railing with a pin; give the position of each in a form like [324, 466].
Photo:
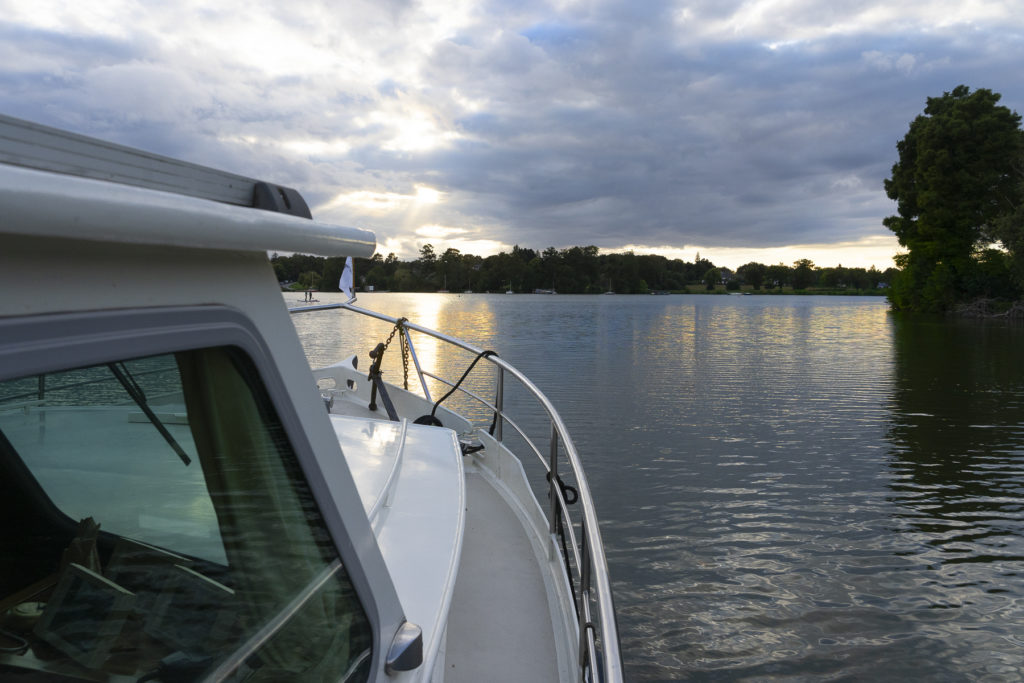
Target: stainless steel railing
[587, 568]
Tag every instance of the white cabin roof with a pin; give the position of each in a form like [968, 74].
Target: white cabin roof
[96, 210]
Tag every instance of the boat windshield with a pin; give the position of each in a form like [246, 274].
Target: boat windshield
[164, 526]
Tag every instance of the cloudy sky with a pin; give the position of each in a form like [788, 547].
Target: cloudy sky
[745, 130]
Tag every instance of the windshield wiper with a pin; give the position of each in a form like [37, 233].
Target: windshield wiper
[135, 391]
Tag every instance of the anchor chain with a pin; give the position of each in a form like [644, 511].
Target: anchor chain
[404, 344]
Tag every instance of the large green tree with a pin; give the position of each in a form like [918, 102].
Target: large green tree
[1009, 229]
[953, 182]
[803, 274]
[752, 273]
[712, 278]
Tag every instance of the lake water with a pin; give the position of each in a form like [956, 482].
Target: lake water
[790, 488]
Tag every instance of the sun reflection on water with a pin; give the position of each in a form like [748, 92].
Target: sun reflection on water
[788, 487]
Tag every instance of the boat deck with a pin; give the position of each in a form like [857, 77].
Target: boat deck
[499, 628]
[501, 623]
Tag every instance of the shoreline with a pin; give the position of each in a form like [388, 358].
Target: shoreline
[990, 308]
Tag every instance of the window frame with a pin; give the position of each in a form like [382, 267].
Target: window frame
[37, 344]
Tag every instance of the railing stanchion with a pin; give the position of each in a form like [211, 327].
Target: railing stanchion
[416, 363]
[584, 610]
[553, 484]
[585, 556]
[499, 403]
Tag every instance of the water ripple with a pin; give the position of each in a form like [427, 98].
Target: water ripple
[790, 488]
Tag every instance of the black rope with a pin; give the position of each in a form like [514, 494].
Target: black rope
[560, 530]
[476, 360]
[565, 558]
[566, 490]
[494, 423]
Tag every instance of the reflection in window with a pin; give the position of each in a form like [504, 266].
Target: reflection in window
[164, 515]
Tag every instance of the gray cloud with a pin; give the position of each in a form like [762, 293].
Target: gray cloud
[601, 123]
[596, 133]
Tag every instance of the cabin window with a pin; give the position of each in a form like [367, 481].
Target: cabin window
[162, 527]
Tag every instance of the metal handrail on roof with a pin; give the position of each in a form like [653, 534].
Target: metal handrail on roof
[597, 662]
[33, 145]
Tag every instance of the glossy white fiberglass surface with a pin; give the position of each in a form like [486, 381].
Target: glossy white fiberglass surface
[77, 266]
[82, 208]
[373, 451]
[420, 524]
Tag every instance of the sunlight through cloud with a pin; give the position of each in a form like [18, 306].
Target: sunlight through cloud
[412, 131]
[554, 124]
[370, 201]
[317, 148]
[428, 195]
[439, 231]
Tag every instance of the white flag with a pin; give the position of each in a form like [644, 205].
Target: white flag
[345, 284]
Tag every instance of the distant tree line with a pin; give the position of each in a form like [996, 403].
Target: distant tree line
[575, 270]
[959, 188]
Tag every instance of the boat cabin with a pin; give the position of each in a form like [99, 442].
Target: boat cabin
[177, 504]
[185, 502]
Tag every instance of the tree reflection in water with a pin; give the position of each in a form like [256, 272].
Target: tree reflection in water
[957, 434]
